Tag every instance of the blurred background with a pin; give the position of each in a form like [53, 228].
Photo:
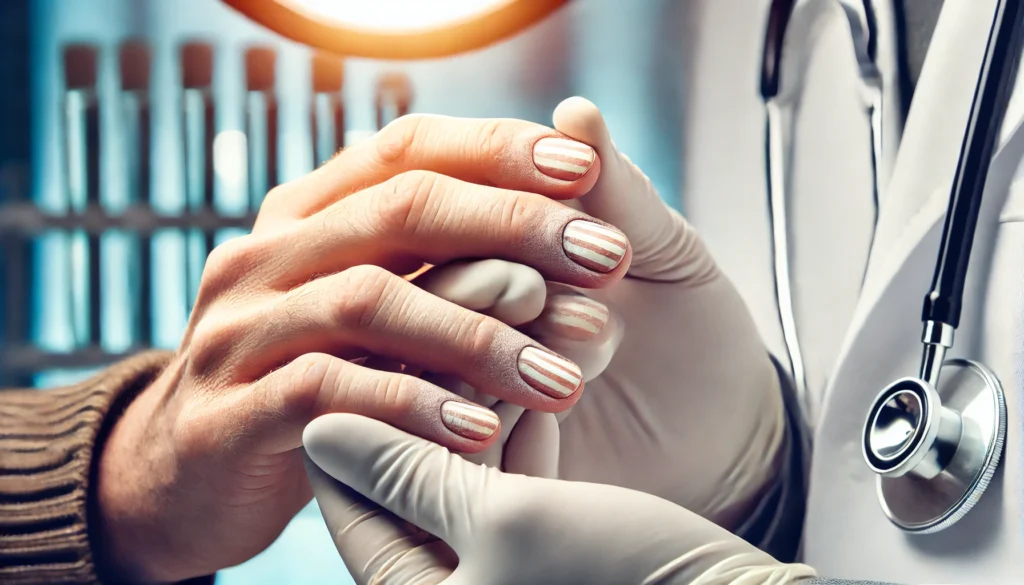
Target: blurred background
[135, 135]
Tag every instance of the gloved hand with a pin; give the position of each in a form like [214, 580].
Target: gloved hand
[689, 408]
[518, 296]
[472, 524]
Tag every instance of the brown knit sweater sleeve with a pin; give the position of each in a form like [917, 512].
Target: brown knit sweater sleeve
[48, 439]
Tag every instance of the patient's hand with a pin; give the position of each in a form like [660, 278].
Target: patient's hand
[203, 470]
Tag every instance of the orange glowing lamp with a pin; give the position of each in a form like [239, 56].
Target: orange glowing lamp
[396, 29]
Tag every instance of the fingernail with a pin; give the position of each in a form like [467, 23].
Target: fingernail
[574, 316]
[594, 246]
[469, 420]
[563, 159]
[548, 373]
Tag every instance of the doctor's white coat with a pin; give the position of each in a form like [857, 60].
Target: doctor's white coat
[857, 339]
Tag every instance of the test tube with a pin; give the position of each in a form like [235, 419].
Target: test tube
[136, 115]
[82, 151]
[327, 109]
[394, 97]
[16, 270]
[260, 122]
[198, 134]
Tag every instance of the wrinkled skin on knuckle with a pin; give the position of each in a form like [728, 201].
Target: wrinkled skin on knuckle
[513, 216]
[211, 344]
[476, 334]
[360, 297]
[406, 200]
[492, 140]
[307, 384]
[395, 394]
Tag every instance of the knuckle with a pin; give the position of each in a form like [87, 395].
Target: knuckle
[395, 393]
[476, 333]
[401, 207]
[514, 214]
[212, 341]
[275, 198]
[364, 292]
[493, 138]
[308, 381]
[395, 141]
[227, 264]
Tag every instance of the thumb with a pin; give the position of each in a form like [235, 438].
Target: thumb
[376, 546]
[416, 480]
[665, 246]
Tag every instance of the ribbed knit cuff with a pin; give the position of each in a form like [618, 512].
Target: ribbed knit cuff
[48, 439]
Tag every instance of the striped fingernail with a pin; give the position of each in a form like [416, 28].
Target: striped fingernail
[548, 373]
[469, 420]
[574, 316]
[594, 246]
[563, 159]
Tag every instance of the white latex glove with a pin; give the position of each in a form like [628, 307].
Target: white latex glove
[681, 399]
[554, 315]
[471, 524]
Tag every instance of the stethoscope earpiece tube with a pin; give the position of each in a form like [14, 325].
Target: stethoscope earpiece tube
[860, 18]
[779, 13]
[992, 95]
[944, 301]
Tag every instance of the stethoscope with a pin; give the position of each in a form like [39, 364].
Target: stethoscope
[935, 447]
[861, 19]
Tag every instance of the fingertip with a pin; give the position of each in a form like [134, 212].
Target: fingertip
[510, 292]
[522, 299]
[555, 406]
[472, 427]
[325, 435]
[580, 119]
[472, 447]
[599, 253]
[533, 447]
[571, 316]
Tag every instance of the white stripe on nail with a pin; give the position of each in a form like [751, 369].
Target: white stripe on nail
[562, 159]
[549, 373]
[586, 157]
[573, 322]
[602, 243]
[468, 420]
[590, 308]
[594, 246]
[578, 253]
[574, 316]
[550, 163]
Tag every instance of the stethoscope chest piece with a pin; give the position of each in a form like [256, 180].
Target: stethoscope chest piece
[935, 450]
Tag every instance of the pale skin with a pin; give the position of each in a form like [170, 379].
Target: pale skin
[203, 470]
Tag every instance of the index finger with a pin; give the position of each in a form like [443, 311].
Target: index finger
[500, 152]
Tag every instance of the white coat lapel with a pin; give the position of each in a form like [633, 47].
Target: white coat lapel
[910, 220]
